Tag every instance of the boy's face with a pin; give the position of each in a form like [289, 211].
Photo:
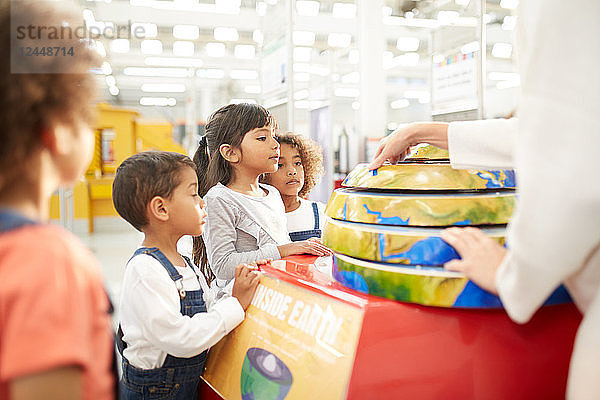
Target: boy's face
[186, 209]
[289, 178]
[259, 151]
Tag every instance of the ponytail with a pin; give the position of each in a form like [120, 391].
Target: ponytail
[227, 125]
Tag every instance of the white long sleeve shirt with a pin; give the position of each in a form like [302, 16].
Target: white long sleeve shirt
[151, 319]
[554, 235]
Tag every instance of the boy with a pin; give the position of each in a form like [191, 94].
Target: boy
[168, 317]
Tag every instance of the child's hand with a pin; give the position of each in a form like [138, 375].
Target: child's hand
[260, 262]
[304, 247]
[244, 286]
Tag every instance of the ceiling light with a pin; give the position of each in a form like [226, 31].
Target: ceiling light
[210, 73]
[303, 38]
[246, 51]
[119, 46]
[160, 72]
[302, 54]
[407, 43]
[502, 50]
[307, 8]
[470, 47]
[106, 68]
[188, 32]
[405, 60]
[215, 49]
[100, 48]
[173, 62]
[243, 74]
[301, 94]
[163, 87]
[347, 92]
[400, 103]
[158, 101]
[228, 6]
[183, 49]
[509, 22]
[509, 4]
[151, 47]
[141, 30]
[353, 57]
[252, 89]
[463, 3]
[258, 36]
[226, 34]
[339, 39]
[110, 80]
[114, 90]
[344, 10]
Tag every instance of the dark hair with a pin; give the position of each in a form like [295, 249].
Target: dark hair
[310, 154]
[227, 125]
[39, 99]
[143, 176]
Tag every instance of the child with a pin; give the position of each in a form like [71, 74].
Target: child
[299, 169]
[246, 220]
[55, 334]
[168, 317]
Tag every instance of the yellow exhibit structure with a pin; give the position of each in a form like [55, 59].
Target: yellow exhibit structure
[119, 133]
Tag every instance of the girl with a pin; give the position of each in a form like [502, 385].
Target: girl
[246, 220]
[299, 169]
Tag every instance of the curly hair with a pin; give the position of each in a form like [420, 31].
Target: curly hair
[39, 92]
[311, 156]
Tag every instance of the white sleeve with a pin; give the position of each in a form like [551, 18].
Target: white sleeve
[485, 144]
[556, 227]
[220, 237]
[167, 329]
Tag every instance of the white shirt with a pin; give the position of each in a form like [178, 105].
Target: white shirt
[242, 229]
[152, 323]
[303, 218]
[554, 235]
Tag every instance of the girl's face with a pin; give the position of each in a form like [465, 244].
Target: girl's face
[289, 178]
[186, 209]
[260, 151]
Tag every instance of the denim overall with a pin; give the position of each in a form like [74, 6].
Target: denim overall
[10, 220]
[304, 235]
[178, 378]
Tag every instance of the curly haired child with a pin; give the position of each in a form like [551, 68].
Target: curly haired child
[299, 169]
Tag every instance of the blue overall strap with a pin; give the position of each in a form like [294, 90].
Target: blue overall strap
[164, 261]
[316, 213]
[10, 220]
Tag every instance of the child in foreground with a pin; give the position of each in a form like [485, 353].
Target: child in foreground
[246, 220]
[55, 333]
[299, 169]
[169, 317]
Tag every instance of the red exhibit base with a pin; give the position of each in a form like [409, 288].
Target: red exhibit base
[418, 352]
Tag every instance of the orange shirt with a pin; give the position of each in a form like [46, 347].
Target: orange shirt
[53, 309]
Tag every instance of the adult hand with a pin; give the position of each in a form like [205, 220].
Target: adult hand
[481, 256]
[304, 247]
[396, 146]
